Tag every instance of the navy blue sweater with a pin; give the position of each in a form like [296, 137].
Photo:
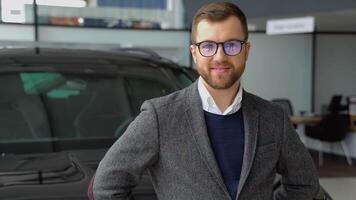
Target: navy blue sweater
[226, 134]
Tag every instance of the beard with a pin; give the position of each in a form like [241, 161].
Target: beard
[221, 81]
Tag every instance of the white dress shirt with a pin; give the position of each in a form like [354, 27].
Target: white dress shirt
[209, 104]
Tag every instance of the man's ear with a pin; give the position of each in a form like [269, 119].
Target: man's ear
[193, 52]
[247, 49]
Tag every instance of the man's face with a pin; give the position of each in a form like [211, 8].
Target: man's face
[220, 71]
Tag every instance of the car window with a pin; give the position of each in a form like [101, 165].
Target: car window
[53, 111]
[182, 78]
[140, 90]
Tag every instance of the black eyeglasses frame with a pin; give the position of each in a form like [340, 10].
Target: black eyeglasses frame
[242, 42]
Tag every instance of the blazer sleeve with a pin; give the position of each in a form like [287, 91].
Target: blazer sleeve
[299, 175]
[121, 168]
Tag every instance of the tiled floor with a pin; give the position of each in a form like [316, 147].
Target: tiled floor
[340, 188]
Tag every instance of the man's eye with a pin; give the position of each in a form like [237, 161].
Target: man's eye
[229, 45]
[208, 46]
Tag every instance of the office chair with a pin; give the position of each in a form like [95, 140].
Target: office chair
[335, 105]
[286, 105]
[333, 128]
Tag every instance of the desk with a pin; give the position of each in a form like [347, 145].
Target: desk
[301, 121]
[305, 119]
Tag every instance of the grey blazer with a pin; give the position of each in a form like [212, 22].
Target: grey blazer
[170, 140]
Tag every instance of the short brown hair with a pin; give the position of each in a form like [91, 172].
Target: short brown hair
[216, 12]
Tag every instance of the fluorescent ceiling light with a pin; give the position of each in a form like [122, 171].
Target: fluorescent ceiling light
[64, 3]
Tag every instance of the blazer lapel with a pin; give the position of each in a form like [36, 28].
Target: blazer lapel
[251, 121]
[196, 120]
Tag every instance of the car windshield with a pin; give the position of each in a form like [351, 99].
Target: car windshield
[50, 111]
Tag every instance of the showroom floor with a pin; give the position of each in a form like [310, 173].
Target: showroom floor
[336, 176]
[340, 188]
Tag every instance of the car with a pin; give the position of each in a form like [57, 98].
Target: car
[61, 109]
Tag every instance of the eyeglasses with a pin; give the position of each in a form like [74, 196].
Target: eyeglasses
[230, 47]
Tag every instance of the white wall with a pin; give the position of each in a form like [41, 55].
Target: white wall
[281, 67]
[335, 67]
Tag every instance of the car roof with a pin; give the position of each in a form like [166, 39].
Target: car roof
[31, 56]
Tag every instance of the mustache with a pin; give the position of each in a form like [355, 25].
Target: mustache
[224, 64]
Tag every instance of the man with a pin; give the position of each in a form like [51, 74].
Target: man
[212, 140]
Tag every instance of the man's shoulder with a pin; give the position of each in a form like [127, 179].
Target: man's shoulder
[175, 99]
[261, 104]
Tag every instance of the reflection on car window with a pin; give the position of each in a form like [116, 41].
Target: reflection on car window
[53, 84]
[47, 111]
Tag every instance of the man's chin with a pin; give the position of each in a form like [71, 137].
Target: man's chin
[220, 85]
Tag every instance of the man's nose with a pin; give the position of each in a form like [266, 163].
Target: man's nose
[220, 54]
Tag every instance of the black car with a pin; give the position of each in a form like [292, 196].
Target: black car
[61, 109]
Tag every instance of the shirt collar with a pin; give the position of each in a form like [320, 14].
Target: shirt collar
[209, 104]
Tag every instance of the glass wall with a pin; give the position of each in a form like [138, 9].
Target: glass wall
[136, 14]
